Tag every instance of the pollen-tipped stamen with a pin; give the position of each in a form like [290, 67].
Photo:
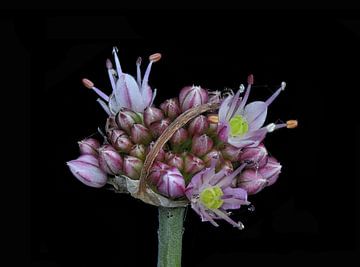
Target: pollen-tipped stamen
[90, 85]
[247, 93]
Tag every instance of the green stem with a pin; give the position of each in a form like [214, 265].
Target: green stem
[170, 236]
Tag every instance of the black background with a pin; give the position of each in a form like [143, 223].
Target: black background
[311, 215]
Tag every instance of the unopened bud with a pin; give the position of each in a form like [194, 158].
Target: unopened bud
[171, 108]
[132, 167]
[110, 160]
[89, 146]
[201, 144]
[198, 126]
[140, 134]
[152, 114]
[192, 96]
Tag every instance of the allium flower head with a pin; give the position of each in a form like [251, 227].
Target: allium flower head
[211, 195]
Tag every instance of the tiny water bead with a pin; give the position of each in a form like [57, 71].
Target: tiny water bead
[211, 197]
[238, 125]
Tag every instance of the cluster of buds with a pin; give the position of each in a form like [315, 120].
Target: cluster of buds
[214, 161]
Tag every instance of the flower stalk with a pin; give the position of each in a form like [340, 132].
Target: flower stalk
[170, 235]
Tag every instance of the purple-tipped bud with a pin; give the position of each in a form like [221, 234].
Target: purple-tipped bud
[254, 156]
[192, 96]
[157, 128]
[110, 160]
[231, 153]
[140, 134]
[157, 170]
[211, 155]
[89, 146]
[193, 164]
[174, 160]
[171, 183]
[152, 114]
[110, 125]
[271, 170]
[171, 108]
[132, 167]
[252, 181]
[86, 169]
[126, 118]
[198, 126]
[179, 137]
[120, 141]
[161, 154]
[201, 144]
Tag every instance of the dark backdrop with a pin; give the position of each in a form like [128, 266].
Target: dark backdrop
[311, 215]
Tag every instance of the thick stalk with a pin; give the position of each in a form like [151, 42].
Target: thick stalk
[170, 236]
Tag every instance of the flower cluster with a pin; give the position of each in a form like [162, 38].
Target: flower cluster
[214, 162]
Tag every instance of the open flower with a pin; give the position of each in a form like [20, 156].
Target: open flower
[240, 124]
[211, 195]
[126, 91]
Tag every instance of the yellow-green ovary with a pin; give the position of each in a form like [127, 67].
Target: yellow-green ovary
[238, 126]
[211, 197]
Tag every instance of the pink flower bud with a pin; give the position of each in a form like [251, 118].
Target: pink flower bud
[140, 134]
[152, 114]
[198, 126]
[110, 125]
[254, 156]
[110, 160]
[201, 145]
[192, 96]
[157, 128]
[86, 170]
[193, 164]
[157, 170]
[211, 155]
[138, 151]
[89, 146]
[171, 108]
[271, 170]
[231, 153]
[171, 183]
[126, 118]
[120, 141]
[132, 167]
[160, 156]
[252, 181]
[174, 160]
[179, 137]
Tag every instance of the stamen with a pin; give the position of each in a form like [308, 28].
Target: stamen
[275, 95]
[247, 93]
[109, 66]
[155, 57]
[89, 84]
[291, 124]
[117, 62]
[138, 71]
[104, 106]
